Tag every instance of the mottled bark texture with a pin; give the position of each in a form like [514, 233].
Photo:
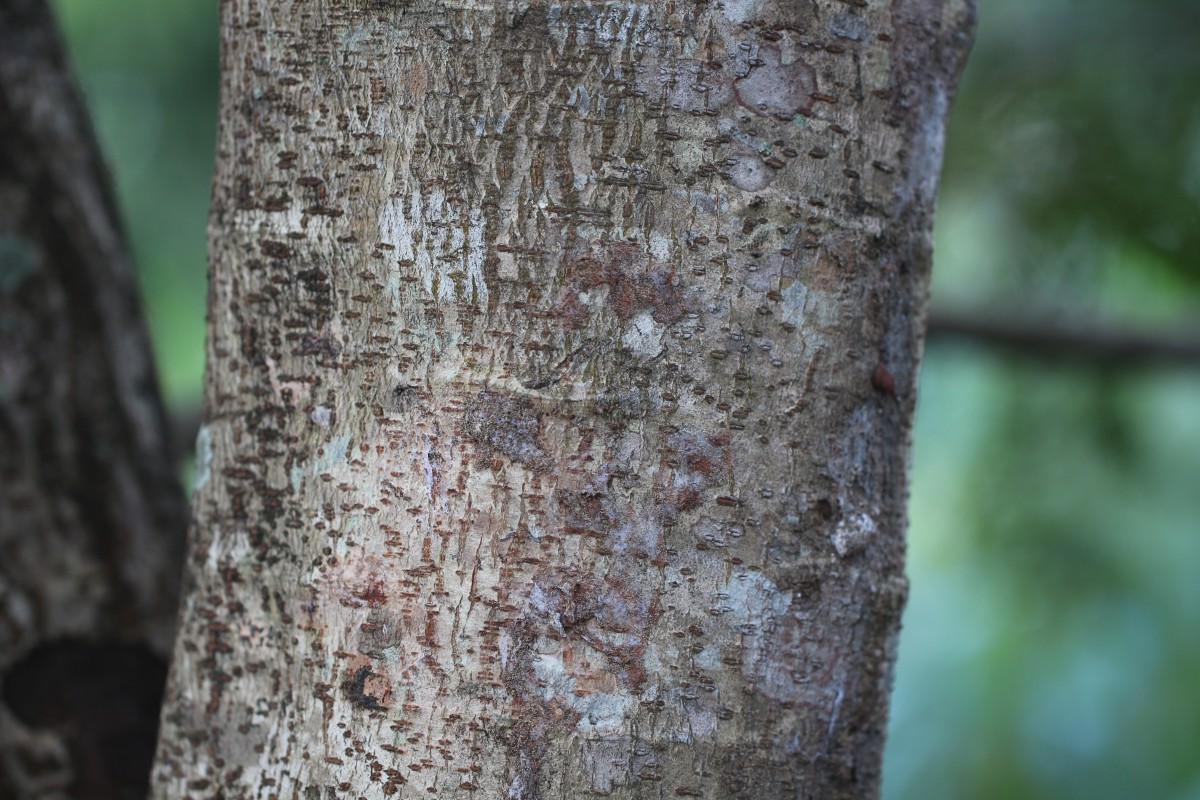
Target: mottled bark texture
[561, 364]
[92, 518]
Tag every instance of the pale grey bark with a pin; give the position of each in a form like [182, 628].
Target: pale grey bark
[562, 359]
[91, 514]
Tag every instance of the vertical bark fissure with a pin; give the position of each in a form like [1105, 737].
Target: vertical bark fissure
[562, 359]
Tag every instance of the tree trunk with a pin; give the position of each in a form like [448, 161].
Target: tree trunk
[561, 364]
[91, 514]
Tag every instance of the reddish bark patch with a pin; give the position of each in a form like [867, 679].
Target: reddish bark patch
[721, 439]
[693, 463]
[700, 462]
[629, 610]
[883, 380]
[687, 498]
[634, 283]
[372, 594]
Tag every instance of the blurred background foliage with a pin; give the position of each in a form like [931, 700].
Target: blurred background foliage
[149, 69]
[1051, 646]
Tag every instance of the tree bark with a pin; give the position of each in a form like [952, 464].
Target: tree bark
[91, 514]
[561, 365]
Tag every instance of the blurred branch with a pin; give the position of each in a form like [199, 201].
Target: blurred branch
[1098, 344]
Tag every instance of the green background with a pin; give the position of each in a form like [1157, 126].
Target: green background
[1051, 645]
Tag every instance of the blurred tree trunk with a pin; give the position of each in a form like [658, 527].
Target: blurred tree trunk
[561, 363]
[91, 513]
